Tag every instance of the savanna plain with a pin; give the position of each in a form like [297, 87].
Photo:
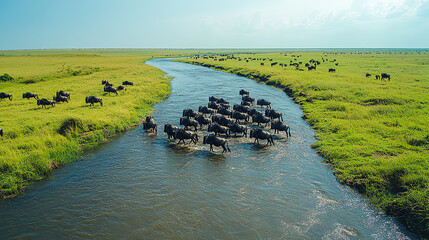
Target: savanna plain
[374, 133]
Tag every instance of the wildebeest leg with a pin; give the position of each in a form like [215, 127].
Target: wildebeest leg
[211, 148]
[224, 149]
[227, 146]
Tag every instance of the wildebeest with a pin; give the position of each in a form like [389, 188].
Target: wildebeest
[60, 99]
[120, 88]
[260, 119]
[331, 70]
[110, 89]
[218, 142]
[64, 94]
[237, 128]
[280, 126]
[93, 99]
[202, 120]
[247, 98]
[206, 110]
[170, 130]
[1, 132]
[150, 124]
[127, 83]
[218, 129]
[222, 120]
[213, 99]
[368, 75]
[377, 77]
[29, 95]
[263, 102]
[106, 83]
[244, 92]
[246, 103]
[240, 116]
[225, 111]
[222, 101]
[273, 114]
[385, 76]
[182, 134]
[189, 113]
[311, 68]
[45, 102]
[5, 95]
[186, 121]
[241, 108]
[260, 134]
[253, 112]
[213, 105]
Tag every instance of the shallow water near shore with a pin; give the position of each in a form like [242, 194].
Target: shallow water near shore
[144, 186]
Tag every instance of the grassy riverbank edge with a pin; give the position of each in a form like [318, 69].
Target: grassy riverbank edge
[411, 210]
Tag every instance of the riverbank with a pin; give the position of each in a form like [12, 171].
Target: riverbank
[374, 133]
[37, 140]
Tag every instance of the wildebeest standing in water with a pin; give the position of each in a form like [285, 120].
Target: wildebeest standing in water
[244, 92]
[263, 102]
[170, 130]
[218, 142]
[149, 124]
[182, 134]
[92, 100]
[29, 95]
[280, 126]
[186, 121]
[5, 95]
[260, 134]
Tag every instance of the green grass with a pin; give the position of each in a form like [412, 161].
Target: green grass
[375, 133]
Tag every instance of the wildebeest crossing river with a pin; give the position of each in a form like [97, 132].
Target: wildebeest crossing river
[142, 186]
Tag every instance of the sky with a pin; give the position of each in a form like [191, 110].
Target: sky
[59, 24]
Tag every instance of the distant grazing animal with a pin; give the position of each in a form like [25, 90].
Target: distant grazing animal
[206, 110]
[237, 128]
[218, 142]
[260, 134]
[311, 68]
[368, 75]
[280, 126]
[377, 77]
[110, 89]
[331, 70]
[218, 129]
[260, 119]
[170, 130]
[60, 99]
[385, 76]
[262, 64]
[127, 83]
[106, 83]
[29, 95]
[92, 100]
[189, 113]
[247, 98]
[273, 114]
[120, 88]
[182, 134]
[244, 92]
[202, 120]
[5, 95]
[263, 102]
[64, 94]
[45, 102]
[185, 121]
[149, 124]
[1, 132]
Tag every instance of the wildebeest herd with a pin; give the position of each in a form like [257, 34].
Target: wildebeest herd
[218, 119]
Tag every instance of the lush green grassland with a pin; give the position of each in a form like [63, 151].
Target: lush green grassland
[375, 133]
[37, 140]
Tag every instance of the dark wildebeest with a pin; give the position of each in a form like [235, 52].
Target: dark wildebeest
[224, 105]
[170, 130]
[222, 120]
[385, 76]
[262, 64]
[311, 68]
[246, 103]
[92, 100]
[237, 128]
[206, 110]
[241, 108]
[247, 98]
[261, 119]
[63, 94]
[60, 99]
[110, 89]
[127, 83]
[120, 88]
[244, 92]
[149, 124]
[280, 126]
[218, 142]
[377, 77]
[260, 134]
[263, 102]
[222, 101]
[218, 129]
[253, 112]
[1, 132]
[189, 113]
[186, 121]
[45, 102]
[240, 116]
[273, 114]
[202, 120]
[368, 75]
[106, 83]
[29, 95]
[213, 105]
[182, 134]
[213, 99]
[331, 70]
[226, 112]
[5, 95]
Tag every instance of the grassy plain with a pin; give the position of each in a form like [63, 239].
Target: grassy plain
[374, 133]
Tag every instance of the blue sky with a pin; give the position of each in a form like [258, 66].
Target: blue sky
[47, 24]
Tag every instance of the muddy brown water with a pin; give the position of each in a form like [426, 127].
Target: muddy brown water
[142, 186]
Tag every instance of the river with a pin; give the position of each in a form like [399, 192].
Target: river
[142, 186]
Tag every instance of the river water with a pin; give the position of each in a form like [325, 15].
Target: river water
[142, 186]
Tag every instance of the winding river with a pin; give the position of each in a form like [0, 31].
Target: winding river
[141, 186]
